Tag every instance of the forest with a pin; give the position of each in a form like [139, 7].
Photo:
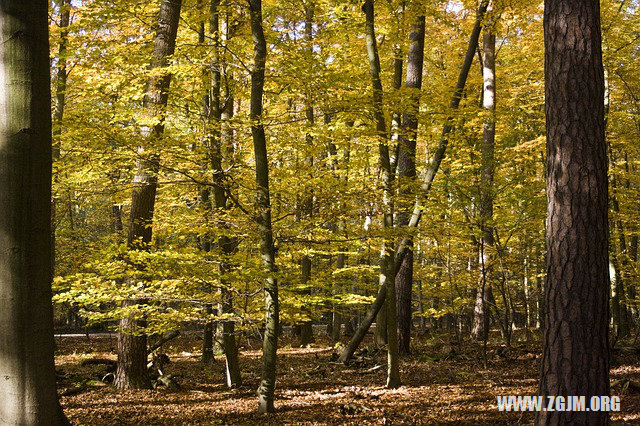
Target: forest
[319, 211]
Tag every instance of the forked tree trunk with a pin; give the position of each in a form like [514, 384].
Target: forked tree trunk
[407, 176]
[387, 255]
[575, 345]
[132, 342]
[27, 374]
[425, 188]
[263, 204]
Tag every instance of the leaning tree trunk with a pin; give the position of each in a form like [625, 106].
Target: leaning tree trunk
[425, 188]
[27, 373]
[263, 204]
[407, 176]
[480, 327]
[387, 272]
[132, 342]
[575, 345]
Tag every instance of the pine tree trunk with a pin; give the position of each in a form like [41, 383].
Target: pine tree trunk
[27, 373]
[407, 176]
[575, 344]
[132, 342]
[263, 204]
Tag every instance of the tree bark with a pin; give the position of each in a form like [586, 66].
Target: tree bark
[132, 342]
[575, 343]
[407, 176]
[58, 112]
[480, 327]
[306, 328]
[28, 382]
[387, 273]
[263, 204]
[425, 188]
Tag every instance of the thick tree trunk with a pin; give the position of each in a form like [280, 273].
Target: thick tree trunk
[132, 342]
[406, 177]
[480, 326]
[575, 344]
[426, 185]
[263, 204]
[27, 373]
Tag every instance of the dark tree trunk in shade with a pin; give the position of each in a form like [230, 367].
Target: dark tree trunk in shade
[575, 344]
[132, 342]
[263, 205]
[407, 176]
[27, 374]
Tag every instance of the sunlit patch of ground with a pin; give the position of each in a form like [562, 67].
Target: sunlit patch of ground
[442, 385]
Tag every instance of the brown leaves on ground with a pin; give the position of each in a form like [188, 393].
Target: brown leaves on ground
[441, 385]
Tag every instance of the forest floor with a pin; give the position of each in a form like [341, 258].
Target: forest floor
[442, 384]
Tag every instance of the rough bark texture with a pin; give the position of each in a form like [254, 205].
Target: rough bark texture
[263, 204]
[27, 375]
[480, 326]
[407, 176]
[575, 344]
[132, 357]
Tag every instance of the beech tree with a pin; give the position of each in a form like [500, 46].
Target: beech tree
[132, 340]
[407, 170]
[28, 383]
[576, 345]
[486, 243]
[263, 214]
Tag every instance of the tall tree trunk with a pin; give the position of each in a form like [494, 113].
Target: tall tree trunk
[306, 329]
[228, 246]
[132, 342]
[480, 326]
[426, 185]
[58, 112]
[27, 373]
[209, 89]
[387, 273]
[620, 262]
[575, 344]
[263, 204]
[406, 178]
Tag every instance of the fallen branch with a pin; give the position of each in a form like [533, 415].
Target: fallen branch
[164, 339]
